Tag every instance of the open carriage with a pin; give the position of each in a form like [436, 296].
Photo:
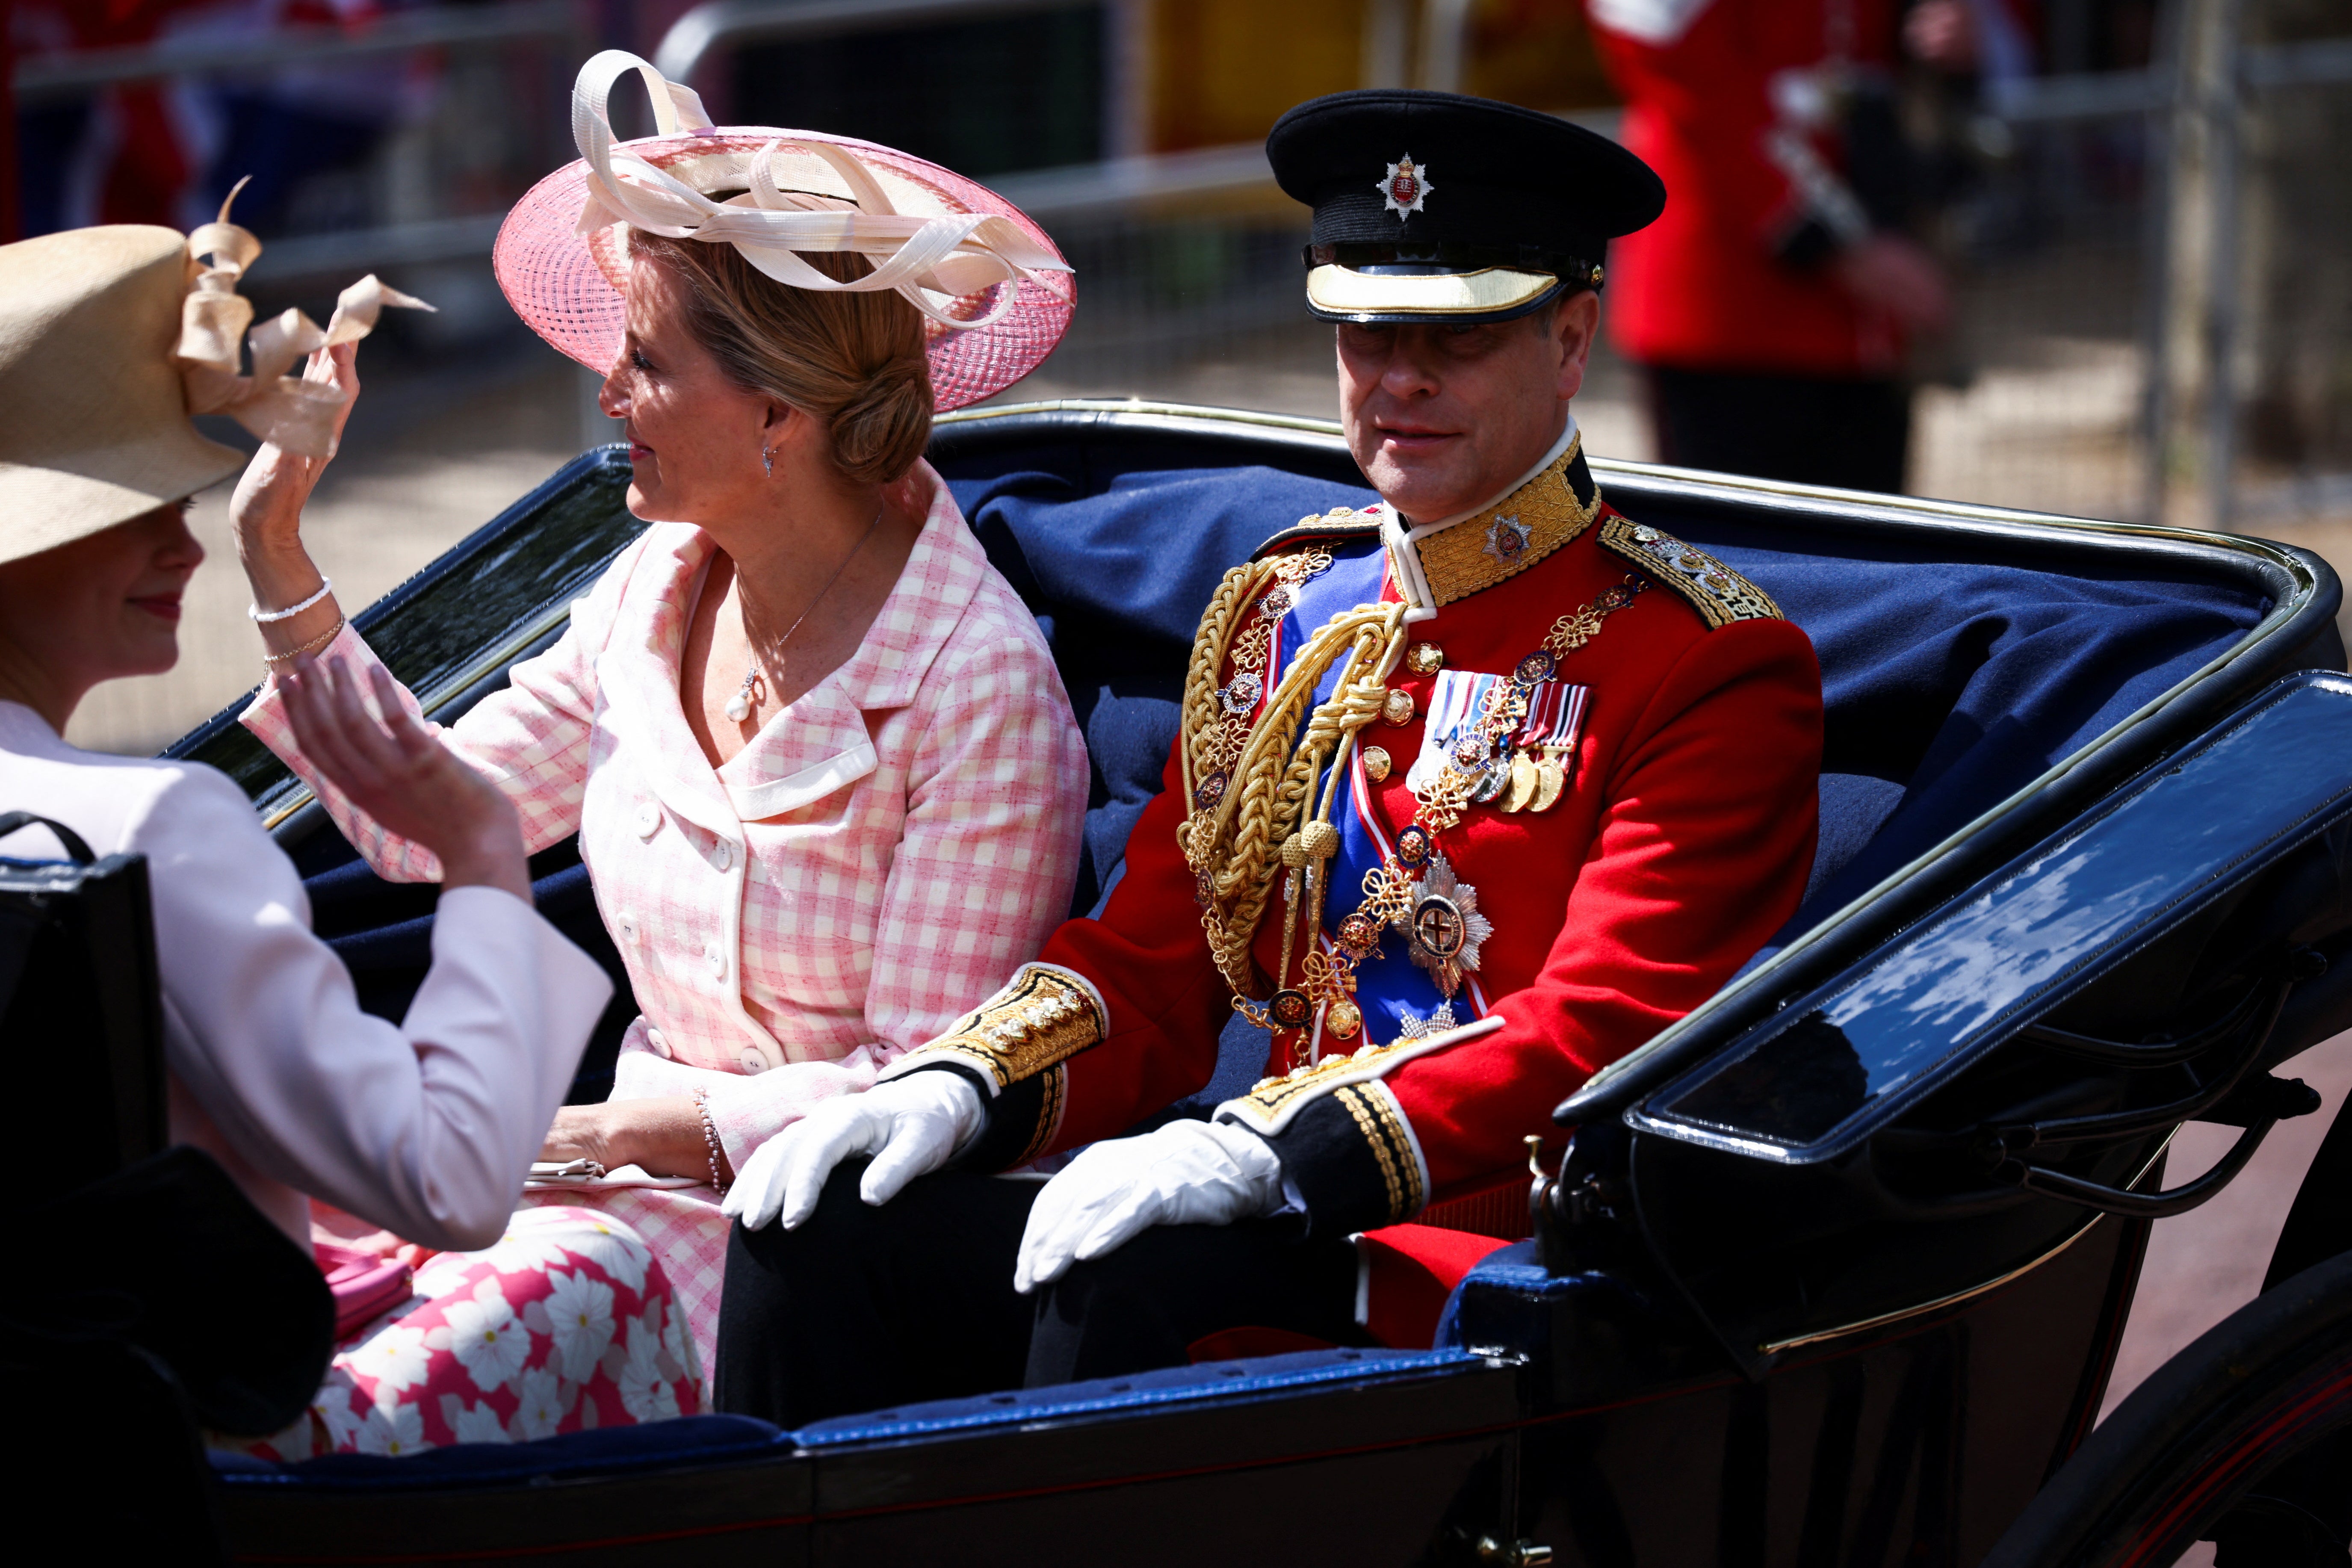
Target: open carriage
[1836, 1268]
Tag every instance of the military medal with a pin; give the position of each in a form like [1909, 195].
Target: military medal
[1523, 782]
[1290, 1009]
[1551, 777]
[1457, 734]
[1554, 716]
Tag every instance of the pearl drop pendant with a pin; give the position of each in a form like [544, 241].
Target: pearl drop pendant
[739, 707]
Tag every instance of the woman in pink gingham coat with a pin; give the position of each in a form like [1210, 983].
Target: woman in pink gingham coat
[825, 780]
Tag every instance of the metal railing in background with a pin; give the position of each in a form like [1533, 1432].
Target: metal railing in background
[44, 77]
[565, 24]
[724, 23]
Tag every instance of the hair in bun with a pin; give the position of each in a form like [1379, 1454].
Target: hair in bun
[854, 360]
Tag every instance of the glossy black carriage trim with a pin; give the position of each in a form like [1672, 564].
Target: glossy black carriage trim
[501, 592]
[1850, 1058]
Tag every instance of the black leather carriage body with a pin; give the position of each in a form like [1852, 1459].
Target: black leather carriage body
[81, 1010]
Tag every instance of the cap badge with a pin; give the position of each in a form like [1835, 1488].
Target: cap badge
[1403, 187]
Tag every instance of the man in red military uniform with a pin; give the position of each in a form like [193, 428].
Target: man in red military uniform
[1771, 304]
[1476, 790]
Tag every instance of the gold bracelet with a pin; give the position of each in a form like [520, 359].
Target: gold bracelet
[313, 646]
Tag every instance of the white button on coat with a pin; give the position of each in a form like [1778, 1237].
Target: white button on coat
[718, 961]
[626, 923]
[724, 855]
[649, 819]
[752, 1061]
[661, 1046]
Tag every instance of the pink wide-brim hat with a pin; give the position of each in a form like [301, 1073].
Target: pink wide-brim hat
[567, 284]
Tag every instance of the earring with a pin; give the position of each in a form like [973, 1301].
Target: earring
[768, 460]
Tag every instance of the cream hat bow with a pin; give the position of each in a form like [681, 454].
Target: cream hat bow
[296, 415]
[932, 261]
[109, 338]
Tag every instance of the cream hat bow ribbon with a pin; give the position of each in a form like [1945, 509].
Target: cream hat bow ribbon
[296, 415]
[930, 261]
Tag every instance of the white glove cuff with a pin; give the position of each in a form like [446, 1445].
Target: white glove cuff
[943, 1092]
[1254, 1163]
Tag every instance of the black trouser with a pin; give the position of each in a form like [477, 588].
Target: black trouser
[863, 1308]
[1805, 429]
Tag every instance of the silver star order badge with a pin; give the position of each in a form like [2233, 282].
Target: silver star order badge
[1403, 187]
[1508, 538]
[1444, 927]
[1413, 1027]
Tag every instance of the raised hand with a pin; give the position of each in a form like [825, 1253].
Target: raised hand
[403, 777]
[266, 512]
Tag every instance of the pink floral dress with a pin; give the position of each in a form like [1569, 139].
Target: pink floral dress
[566, 1324]
[888, 849]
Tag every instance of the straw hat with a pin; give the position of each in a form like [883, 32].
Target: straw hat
[93, 422]
[109, 338]
[995, 294]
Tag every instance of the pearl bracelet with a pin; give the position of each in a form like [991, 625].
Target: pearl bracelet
[265, 617]
[710, 1138]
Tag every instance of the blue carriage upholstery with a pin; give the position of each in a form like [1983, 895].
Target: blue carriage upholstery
[738, 1439]
[1949, 681]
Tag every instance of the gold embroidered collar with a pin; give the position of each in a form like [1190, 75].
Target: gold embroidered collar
[1454, 560]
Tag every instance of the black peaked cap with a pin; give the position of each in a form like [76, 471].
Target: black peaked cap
[1496, 174]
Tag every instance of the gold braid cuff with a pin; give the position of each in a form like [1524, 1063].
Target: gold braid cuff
[1045, 1016]
[1382, 1125]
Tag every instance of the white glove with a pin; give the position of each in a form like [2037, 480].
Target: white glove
[911, 1126]
[1187, 1172]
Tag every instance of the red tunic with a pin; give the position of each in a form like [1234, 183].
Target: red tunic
[1704, 288]
[1682, 842]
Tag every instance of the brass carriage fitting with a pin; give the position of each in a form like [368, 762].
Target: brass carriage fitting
[1515, 1554]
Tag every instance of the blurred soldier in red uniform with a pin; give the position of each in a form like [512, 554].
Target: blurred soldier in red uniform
[1476, 790]
[1771, 306]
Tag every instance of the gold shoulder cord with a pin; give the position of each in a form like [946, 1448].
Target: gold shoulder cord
[1249, 785]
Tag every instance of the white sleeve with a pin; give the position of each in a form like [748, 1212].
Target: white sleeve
[426, 1127]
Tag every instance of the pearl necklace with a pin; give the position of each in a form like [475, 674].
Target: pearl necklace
[739, 707]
